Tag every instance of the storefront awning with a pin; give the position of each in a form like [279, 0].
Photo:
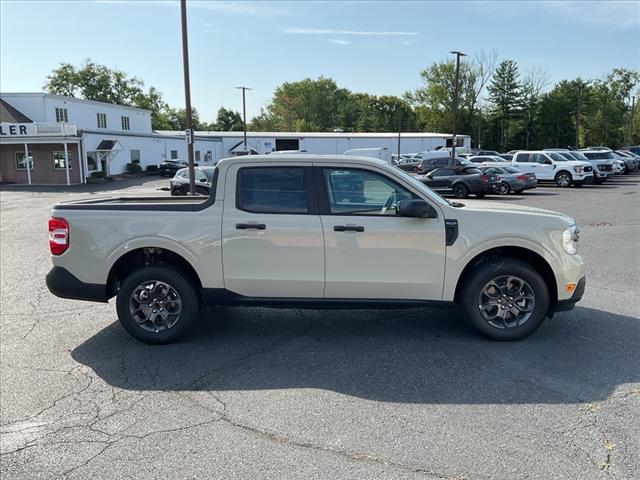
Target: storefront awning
[106, 145]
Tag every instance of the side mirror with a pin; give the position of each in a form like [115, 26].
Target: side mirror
[416, 208]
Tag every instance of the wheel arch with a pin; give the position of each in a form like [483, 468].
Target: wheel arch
[533, 259]
[138, 258]
[563, 170]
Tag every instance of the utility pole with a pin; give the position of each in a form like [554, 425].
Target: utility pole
[244, 115]
[399, 129]
[458, 54]
[579, 107]
[631, 125]
[187, 98]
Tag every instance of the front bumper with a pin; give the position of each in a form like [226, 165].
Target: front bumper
[603, 175]
[570, 303]
[583, 178]
[62, 283]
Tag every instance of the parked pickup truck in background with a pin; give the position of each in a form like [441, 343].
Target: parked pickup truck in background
[551, 166]
[314, 231]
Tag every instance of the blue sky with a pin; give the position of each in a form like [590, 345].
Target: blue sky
[374, 47]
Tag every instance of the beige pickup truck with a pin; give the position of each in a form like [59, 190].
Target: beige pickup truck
[317, 232]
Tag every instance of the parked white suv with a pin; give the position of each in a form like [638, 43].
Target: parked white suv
[553, 167]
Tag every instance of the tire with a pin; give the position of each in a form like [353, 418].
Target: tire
[473, 297]
[563, 179]
[598, 181]
[504, 188]
[182, 297]
[460, 190]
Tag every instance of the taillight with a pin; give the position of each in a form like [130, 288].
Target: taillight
[58, 235]
[522, 178]
[484, 179]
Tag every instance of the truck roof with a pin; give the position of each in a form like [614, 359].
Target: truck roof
[301, 158]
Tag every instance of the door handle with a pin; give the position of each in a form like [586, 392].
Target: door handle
[246, 226]
[348, 228]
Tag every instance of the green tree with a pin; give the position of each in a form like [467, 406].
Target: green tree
[505, 95]
[228, 121]
[98, 82]
[434, 101]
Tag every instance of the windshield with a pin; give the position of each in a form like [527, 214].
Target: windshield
[579, 156]
[557, 157]
[599, 155]
[208, 172]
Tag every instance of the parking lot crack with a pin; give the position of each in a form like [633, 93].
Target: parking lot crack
[350, 455]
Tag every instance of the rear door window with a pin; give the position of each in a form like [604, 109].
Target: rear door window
[272, 190]
[523, 157]
[443, 172]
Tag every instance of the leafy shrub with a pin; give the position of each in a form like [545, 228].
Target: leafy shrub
[134, 168]
[98, 175]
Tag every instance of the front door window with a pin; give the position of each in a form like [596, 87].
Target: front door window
[355, 191]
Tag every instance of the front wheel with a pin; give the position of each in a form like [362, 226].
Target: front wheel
[504, 299]
[460, 190]
[563, 179]
[157, 304]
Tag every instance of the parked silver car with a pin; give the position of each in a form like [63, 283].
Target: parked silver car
[512, 179]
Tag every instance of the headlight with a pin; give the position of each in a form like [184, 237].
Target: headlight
[578, 169]
[570, 239]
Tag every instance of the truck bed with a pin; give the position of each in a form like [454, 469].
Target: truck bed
[186, 203]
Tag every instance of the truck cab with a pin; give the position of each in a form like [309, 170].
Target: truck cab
[553, 167]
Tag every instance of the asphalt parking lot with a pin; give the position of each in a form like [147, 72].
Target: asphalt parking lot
[300, 394]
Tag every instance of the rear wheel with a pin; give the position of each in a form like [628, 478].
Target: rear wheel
[563, 179]
[460, 190]
[157, 304]
[504, 299]
[504, 188]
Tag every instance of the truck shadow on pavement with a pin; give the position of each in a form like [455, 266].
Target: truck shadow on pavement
[409, 356]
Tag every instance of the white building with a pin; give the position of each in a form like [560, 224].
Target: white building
[48, 138]
[334, 143]
[94, 136]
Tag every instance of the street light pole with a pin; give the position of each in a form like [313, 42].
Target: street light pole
[244, 115]
[187, 98]
[399, 130]
[578, 112]
[631, 125]
[458, 54]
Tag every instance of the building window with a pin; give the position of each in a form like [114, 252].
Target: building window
[21, 164]
[197, 156]
[125, 123]
[135, 156]
[208, 157]
[102, 120]
[59, 161]
[61, 115]
[174, 154]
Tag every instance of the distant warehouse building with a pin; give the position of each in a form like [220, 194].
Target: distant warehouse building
[53, 139]
[333, 143]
